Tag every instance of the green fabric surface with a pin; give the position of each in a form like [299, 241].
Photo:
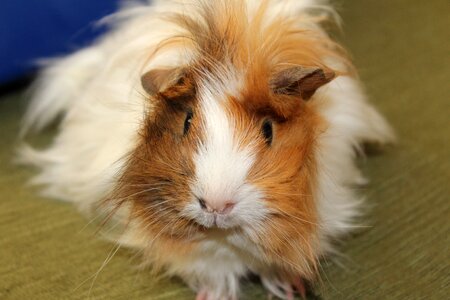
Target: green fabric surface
[401, 49]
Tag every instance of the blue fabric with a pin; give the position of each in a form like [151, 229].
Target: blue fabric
[33, 29]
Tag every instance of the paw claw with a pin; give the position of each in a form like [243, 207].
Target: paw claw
[286, 289]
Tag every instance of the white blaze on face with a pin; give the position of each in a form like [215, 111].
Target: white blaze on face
[222, 163]
[221, 167]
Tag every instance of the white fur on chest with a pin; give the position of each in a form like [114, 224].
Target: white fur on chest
[218, 262]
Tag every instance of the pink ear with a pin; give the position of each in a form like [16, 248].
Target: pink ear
[300, 81]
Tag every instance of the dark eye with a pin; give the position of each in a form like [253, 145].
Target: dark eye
[267, 131]
[187, 122]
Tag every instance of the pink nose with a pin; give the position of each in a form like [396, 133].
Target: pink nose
[223, 207]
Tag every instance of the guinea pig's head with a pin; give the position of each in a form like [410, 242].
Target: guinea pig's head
[227, 151]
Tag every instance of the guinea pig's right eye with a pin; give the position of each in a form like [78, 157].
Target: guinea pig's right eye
[267, 131]
[187, 122]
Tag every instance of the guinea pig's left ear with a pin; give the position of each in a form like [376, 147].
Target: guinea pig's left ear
[157, 80]
[300, 81]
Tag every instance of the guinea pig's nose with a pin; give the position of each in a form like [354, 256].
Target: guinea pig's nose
[222, 207]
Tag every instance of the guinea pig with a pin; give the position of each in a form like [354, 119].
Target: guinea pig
[221, 134]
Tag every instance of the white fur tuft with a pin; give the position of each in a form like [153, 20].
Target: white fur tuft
[352, 121]
[61, 83]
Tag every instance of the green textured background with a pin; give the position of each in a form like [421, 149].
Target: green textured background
[402, 49]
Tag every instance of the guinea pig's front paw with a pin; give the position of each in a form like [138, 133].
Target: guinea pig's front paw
[202, 295]
[285, 289]
[205, 294]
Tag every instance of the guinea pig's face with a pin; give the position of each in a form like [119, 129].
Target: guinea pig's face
[223, 153]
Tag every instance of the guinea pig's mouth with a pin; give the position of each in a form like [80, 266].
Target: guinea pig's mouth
[216, 220]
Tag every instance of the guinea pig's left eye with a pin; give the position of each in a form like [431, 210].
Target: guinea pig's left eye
[267, 131]
[187, 122]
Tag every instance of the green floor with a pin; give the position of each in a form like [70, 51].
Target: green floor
[402, 49]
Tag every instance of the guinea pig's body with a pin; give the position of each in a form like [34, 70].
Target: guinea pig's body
[221, 133]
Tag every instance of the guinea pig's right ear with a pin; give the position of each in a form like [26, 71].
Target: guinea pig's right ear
[157, 80]
[300, 81]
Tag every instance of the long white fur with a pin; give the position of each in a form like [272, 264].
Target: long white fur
[98, 91]
[352, 121]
